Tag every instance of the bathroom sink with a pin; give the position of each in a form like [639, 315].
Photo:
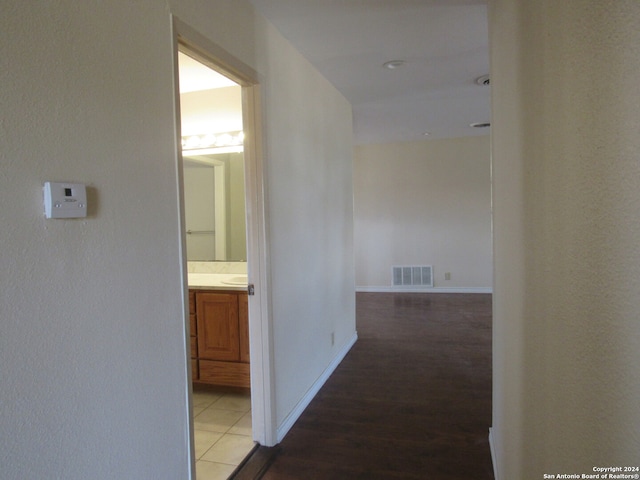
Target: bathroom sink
[238, 280]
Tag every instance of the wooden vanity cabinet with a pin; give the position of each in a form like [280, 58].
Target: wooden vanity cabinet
[193, 332]
[243, 315]
[222, 326]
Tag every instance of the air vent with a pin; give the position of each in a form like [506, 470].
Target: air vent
[413, 276]
[484, 80]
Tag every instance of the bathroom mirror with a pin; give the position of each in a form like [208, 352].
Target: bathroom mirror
[214, 200]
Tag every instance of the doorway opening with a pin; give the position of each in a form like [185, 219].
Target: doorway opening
[215, 221]
[224, 259]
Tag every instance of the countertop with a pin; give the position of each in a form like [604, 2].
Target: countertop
[217, 281]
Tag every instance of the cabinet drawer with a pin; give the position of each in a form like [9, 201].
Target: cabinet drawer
[225, 373]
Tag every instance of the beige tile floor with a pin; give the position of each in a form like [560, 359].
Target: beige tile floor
[222, 431]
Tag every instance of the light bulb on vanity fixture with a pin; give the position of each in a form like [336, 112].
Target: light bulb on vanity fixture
[209, 143]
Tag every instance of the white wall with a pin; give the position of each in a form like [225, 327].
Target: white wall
[567, 265]
[424, 203]
[310, 189]
[236, 207]
[92, 349]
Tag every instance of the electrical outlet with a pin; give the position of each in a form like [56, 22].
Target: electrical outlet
[333, 338]
[447, 276]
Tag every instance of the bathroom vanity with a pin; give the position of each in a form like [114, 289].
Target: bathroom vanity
[219, 321]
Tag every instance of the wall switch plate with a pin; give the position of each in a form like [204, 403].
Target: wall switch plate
[65, 200]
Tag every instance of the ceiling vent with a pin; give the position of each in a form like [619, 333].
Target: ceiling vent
[483, 80]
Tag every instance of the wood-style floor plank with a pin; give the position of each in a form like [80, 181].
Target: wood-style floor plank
[411, 400]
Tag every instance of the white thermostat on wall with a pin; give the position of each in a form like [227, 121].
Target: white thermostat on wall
[65, 200]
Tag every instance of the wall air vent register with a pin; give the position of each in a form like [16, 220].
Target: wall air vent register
[413, 276]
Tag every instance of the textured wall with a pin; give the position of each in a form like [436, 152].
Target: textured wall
[567, 262]
[92, 342]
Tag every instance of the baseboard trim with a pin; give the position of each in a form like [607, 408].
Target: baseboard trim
[387, 289]
[288, 422]
[493, 455]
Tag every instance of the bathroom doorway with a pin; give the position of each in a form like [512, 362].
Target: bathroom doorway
[215, 222]
[219, 134]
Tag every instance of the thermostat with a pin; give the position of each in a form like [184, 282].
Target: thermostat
[65, 200]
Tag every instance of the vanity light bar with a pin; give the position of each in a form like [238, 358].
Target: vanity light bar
[210, 140]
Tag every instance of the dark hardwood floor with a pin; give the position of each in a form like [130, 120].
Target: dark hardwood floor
[411, 400]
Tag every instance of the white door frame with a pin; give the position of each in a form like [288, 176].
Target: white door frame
[264, 426]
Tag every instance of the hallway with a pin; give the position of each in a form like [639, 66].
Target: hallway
[412, 400]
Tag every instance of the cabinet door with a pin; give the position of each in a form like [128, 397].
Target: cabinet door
[193, 330]
[243, 306]
[217, 319]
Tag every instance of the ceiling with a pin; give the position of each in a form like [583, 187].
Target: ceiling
[444, 46]
[196, 77]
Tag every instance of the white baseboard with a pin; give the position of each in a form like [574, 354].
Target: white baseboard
[493, 455]
[288, 422]
[388, 289]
